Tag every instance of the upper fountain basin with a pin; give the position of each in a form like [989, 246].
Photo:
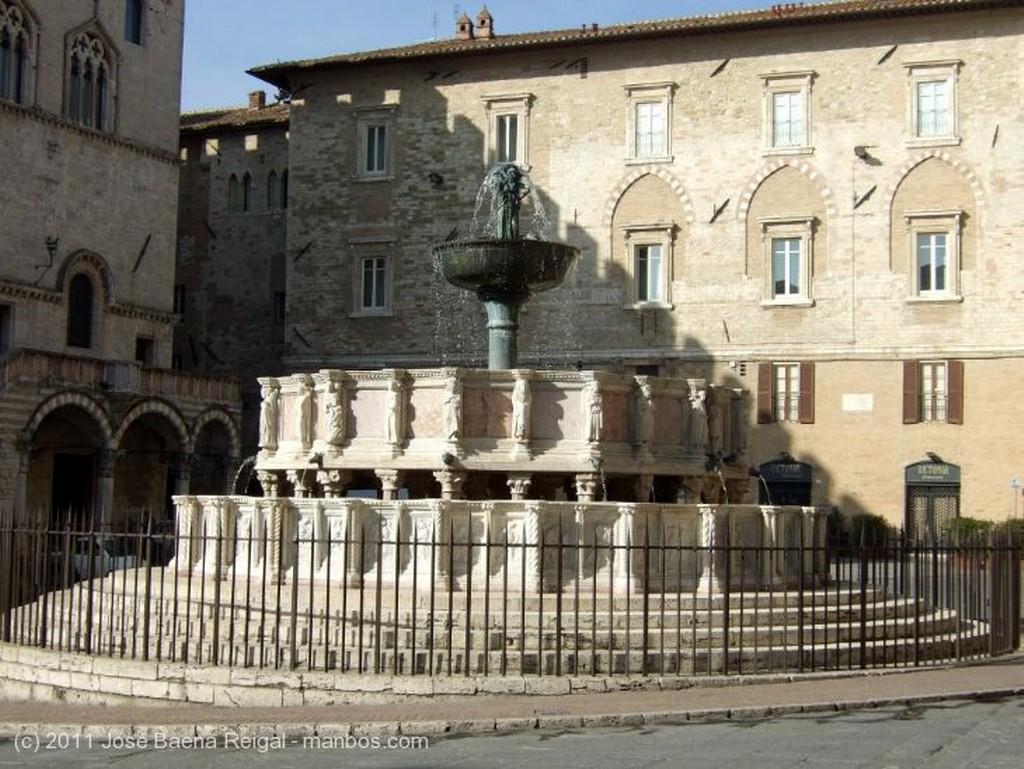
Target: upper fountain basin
[518, 267]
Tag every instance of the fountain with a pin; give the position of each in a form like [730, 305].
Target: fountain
[505, 521]
[505, 267]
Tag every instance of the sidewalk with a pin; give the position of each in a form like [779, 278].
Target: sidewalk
[737, 698]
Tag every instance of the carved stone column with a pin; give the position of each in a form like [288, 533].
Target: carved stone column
[519, 485]
[587, 485]
[623, 552]
[711, 542]
[188, 534]
[644, 487]
[299, 480]
[451, 483]
[390, 483]
[218, 515]
[270, 482]
[105, 488]
[334, 482]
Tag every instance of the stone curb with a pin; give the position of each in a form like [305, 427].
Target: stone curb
[445, 727]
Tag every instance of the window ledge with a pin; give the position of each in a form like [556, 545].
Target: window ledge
[787, 151]
[933, 141]
[940, 299]
[635, 161]
[372, 314]
[648, 306]
[374, 178]
[797, 301]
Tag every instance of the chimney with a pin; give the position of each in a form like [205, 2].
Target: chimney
[463, 28]
[257, 100]
[485, 24]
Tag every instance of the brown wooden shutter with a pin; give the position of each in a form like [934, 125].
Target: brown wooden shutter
[765, 383]
[955, 407]
[911, 392]
[806, 410]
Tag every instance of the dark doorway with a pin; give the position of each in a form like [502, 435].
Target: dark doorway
[73, 488]
[785, 482]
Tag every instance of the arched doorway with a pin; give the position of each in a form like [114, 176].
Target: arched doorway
[148, 453]
[64, 461]
[212, 459]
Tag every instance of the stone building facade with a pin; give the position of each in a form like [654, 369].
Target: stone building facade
[815, 203]
[230, 285]
[93, 421]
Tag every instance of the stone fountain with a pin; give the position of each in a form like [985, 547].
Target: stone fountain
[496, 457]
[505, 266]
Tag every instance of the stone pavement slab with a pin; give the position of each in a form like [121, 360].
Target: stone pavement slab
[741, 697]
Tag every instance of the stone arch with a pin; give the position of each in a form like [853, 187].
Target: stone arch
[905, 170]
[805, 168]
[634, 175]
[922, 197]
[70, 398]
[153, 406]
[94, 265]
[215, 414]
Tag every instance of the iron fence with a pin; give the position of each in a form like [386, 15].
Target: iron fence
[463, 607]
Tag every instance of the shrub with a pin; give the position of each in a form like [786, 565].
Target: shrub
[962, 529]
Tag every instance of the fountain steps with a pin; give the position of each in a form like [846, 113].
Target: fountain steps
[667, 659]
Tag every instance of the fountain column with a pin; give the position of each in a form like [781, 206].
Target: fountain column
[502, 331]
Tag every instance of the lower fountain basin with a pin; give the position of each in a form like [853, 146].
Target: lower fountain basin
[511, 267]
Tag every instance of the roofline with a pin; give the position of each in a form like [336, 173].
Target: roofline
[788, 15]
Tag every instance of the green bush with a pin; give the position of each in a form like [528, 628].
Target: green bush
[962, 529]
[1013, 528]
[871, 529]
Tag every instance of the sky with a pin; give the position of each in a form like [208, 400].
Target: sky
[223, 38]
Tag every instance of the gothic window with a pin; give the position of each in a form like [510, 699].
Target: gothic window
[89, 82]
[81, 309]
[13, 53]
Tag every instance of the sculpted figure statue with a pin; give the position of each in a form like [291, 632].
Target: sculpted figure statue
[335, 414]
[305, 413]
[395, 423]
[269, 412]
[452, 408]
[594, 404]
[521, 409]
[645, 414]
[698, 419]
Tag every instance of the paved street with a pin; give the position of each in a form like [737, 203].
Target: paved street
[981, 734]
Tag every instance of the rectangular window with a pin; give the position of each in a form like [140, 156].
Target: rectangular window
[933, 108]
[376, 149]
[133, 21]
[179, 299]
[279, 307]
[786, 392]
[932, 261]
[934, 391]
[144, 350]
[788, 119]
[6, 330]
[507, 138]
[177, 362]
[374, 283]
[648, 272]
[649, 134]
[650, 130]
[786, 267]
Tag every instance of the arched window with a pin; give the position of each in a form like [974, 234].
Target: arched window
[277, 191]
[13, 53]
[81, 301]
[246, 191]
[234, 193]
[273, 192]
[88, 82]
[133, 21]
